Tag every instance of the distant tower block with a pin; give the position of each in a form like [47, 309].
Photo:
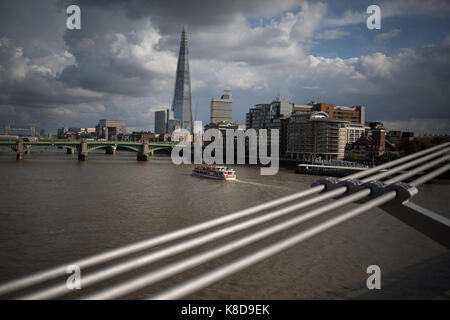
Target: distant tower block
[182, 99]
[7, 129]
[160, 122]
[222, 109]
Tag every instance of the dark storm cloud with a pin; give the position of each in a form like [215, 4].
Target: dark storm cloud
[97, 69]
[104, 50]
[169, 15]
[25, 84]
[36, 26]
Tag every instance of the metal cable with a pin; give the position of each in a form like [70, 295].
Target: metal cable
[187, 287]
[174, 268]
[410, 164]
[188, 263]
[395, 162]
[429, 176]
[55, 272]
[134, 263]
[418, 170]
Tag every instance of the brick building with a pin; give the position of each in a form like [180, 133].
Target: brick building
[352, 114]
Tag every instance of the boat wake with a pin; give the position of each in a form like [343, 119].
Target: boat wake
[260, 184]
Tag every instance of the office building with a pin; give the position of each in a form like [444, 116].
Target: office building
[109, 129]
[173, 125]
[314, 135]
[222, 109]
[271, 116]
[161, 121]
[264, 116]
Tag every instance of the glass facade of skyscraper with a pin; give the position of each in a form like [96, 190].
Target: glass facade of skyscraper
[182, 100]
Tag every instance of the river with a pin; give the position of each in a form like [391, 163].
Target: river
[55, 209]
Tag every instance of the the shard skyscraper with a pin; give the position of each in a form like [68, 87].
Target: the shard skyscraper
[182, 100]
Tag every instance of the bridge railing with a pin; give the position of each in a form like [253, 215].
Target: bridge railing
[382, 186]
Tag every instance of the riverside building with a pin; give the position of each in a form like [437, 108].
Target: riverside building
[313, 135]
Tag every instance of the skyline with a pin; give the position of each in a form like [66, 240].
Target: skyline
[122, 62]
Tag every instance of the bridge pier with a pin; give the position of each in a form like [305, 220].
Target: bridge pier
[83, 150]
[111, 150]
[144, 151]
[20, 149]
[70, 151]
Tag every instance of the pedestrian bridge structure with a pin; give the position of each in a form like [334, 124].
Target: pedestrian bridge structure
[135, 267]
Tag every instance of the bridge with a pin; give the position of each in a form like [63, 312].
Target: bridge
[391, 186]
[84, 146]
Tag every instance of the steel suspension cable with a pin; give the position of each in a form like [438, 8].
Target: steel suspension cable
[395, 162]
[190, 286]
[55, 272]
[188, 263]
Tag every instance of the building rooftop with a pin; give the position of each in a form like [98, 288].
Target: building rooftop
[352, 108]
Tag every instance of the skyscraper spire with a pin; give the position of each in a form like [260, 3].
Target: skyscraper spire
[182, 100]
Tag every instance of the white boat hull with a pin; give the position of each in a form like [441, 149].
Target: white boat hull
[204, 175]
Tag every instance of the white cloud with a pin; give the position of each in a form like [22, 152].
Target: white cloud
[308, 20]
[140, 47]
[12, 63]
[286, 38]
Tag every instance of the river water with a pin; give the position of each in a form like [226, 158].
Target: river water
[55, 209]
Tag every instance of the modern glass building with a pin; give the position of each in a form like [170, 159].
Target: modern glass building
[182, 100]
[160, 121]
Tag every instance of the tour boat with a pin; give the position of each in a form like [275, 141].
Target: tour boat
[215, 172]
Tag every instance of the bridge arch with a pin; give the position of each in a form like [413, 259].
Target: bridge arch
[160, 148]
[129, 148]
[32, 147]
[10, 147]
[118, 147]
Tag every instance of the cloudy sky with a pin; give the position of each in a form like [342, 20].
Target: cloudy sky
[122, 62]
